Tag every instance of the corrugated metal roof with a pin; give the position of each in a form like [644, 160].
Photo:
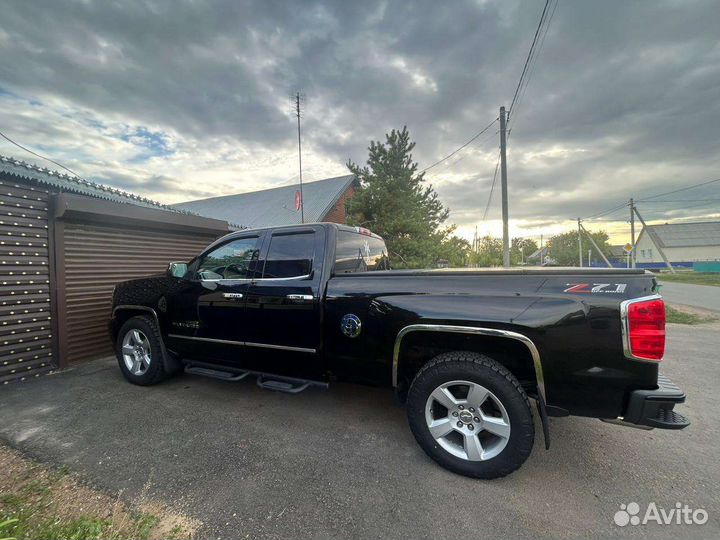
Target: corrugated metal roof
[538, 253]
[273, 207]
[72, 184]
[674, 235]
[618, 251]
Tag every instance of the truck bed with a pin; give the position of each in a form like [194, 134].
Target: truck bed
[527, 270]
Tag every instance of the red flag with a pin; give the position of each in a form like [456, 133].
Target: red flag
[298, 200]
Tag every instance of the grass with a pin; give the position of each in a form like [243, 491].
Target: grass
[674, 315]
[697, 278]
[30, 512]
[40, 502]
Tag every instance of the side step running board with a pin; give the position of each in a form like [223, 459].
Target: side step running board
[287, 384]
[216, 373]
[267, 381]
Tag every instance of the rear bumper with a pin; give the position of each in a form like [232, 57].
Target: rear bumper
[654, 408]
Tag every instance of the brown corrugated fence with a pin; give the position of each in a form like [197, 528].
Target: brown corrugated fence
[97, 258]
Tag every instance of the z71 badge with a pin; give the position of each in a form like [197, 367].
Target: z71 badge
[591, 288]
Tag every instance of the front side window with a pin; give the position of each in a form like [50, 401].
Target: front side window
[357, 252]
[290, 255]
[234, 260]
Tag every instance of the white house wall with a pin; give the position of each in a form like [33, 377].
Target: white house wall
[647, 252]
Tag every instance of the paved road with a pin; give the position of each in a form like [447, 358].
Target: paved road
[700, 296]
[343, 464]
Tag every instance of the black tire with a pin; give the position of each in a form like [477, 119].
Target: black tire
[155, 371]
[482, 370]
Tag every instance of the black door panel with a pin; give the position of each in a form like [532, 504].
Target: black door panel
[209, 316]
[280, 313]
[283, 305]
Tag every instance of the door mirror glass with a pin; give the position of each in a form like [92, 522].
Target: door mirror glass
[177, 269]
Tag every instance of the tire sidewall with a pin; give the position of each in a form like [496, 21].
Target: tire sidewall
[155, 370]
[487, 374]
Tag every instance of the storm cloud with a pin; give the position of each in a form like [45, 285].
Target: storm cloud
[179, 100]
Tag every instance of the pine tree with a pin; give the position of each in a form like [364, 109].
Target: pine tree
[394, 202]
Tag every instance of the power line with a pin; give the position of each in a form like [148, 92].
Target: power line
[647, 199]
[40, 156]
[532, 66]
[492, 189]
[680, 201]
[528, 62]
[665, 211]
[679, 190]
[606, 212]
[660, 213]
[451, 154]
[530, 52]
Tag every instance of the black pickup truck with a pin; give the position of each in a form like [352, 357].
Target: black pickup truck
[303, 305]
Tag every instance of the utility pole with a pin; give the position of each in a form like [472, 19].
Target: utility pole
[302, 201]
[580, 254]
[653, 236]
[632, 232]
[503, 184]
[589, 237]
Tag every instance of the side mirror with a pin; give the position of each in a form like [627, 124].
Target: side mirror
[177, 269]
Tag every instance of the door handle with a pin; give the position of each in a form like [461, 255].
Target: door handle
[233, 295]
[300, 297]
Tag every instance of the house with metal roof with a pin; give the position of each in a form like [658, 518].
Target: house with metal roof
[682, 243]
[323, 200]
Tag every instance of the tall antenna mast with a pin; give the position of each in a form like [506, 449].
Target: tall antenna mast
[297, 112]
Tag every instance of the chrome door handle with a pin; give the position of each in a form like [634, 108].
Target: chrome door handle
[300, 297]
[234, 295]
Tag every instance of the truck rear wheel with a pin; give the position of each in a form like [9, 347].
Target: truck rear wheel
[139, 352]
[471, 415]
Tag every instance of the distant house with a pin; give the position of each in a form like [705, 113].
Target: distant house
[618, 257]
[324, 200]
[617, 252]
[683, 244]
[541, 257]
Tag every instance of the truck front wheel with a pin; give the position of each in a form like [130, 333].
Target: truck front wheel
[139, 352]
[471, 415]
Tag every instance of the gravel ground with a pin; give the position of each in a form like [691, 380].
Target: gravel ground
[343, 464]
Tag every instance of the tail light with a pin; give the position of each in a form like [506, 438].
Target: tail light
[643, 322]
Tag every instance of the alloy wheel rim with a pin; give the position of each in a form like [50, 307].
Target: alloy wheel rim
[467, 420]
[136, 352]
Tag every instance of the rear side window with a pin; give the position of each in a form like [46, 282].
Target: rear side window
[357, 252]
[290, 255]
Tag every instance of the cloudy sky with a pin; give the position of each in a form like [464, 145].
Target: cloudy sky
[179, 100]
